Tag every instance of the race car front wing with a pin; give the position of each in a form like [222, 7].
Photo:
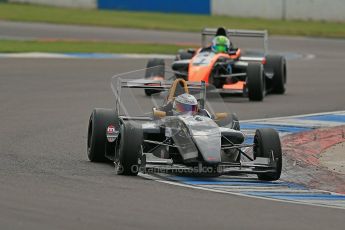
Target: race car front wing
[257, 166]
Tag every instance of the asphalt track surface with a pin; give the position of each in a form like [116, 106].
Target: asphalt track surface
[46, 181]
[22, 30]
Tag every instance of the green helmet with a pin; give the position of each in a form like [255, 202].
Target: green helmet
[220, 44]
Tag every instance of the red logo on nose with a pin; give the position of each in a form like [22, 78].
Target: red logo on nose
[111, 129]
[111, 133]
[211, 158]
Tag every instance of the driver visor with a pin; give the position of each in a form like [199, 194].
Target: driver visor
[184, 108]
[220, 48]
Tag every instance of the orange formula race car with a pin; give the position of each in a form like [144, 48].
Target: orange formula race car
[231, 70]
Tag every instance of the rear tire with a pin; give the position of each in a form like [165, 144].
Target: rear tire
[255, 82]
[100, 119]
[267, 140]
[129, 149]
[155, 67]
[278, 65]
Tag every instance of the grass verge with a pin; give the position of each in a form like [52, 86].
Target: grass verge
[13, 46]
[160, 21]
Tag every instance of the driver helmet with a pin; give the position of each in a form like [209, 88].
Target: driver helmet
[220, 44]
[185, 104]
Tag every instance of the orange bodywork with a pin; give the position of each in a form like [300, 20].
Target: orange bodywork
[235, 86]
[237, 55]
[200, 67]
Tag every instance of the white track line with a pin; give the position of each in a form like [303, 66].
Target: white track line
[150, 177]
[342, 112]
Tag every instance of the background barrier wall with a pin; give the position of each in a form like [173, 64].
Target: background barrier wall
[328, 10]
[170, 6]
[248, 8]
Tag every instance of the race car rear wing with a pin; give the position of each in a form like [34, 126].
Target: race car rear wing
[236, 33]
[161, 85]
[157, 84]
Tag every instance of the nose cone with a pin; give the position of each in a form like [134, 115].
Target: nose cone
[209, 147]
[207, 137]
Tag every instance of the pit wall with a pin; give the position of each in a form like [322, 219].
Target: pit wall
[326, 10]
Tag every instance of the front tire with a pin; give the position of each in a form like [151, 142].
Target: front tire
[255, 82]
[267, 140]
[278, 65]
[129, 149]
[99, 120]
